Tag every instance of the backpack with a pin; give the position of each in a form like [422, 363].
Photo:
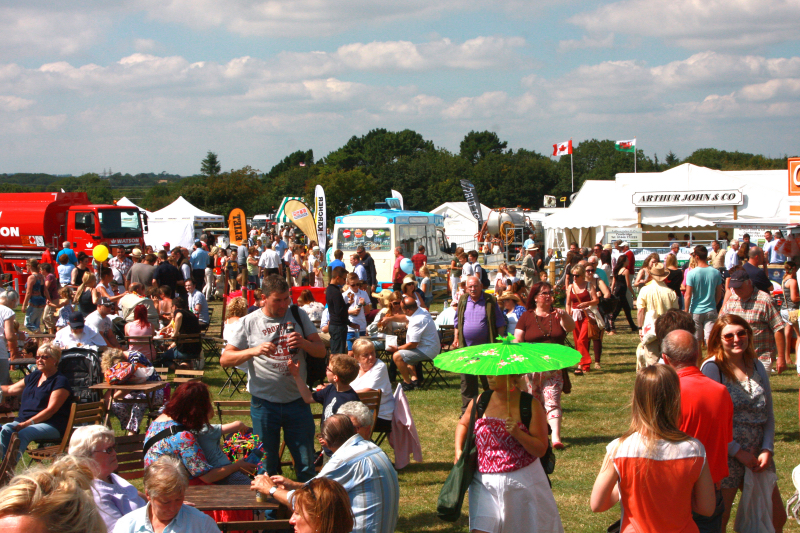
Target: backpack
[548, 460]
[484, 278]
[294, 267]
[81, 367]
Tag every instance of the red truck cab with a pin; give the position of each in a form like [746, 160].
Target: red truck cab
[30, 223]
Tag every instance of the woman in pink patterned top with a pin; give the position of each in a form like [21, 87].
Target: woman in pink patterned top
[510, 491]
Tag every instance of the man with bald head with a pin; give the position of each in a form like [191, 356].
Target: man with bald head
[422, 343]
[706, 413]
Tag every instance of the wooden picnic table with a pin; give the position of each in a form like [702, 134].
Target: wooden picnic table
[230, 498]
[23, 363]
[149, 389]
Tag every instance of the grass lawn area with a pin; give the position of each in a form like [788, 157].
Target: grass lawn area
[595, 413]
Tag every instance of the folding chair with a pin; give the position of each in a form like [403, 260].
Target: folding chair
[434, 375]
[236, 378]
[9, 464]
[372, 399]
[212, 347]
[184, 376]
[130, 456]
[81, 414]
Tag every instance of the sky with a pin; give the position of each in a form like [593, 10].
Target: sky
[153, 85]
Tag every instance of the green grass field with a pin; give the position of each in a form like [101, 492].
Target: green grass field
[595, 413]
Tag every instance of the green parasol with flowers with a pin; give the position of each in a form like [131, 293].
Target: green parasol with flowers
[507, 358]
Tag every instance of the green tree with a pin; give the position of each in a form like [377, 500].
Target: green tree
[477, 145]
[671, 159]
[291, 161]
[210, 165]
[378, 148]
[346, 191]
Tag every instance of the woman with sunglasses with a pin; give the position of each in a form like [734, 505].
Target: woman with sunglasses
[114, 496]
[45, 402]
[732, 362]
[579, 299]
[542, 323]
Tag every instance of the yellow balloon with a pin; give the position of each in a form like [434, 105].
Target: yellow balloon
[100, 253]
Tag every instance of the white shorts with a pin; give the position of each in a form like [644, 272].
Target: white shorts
[513, 502]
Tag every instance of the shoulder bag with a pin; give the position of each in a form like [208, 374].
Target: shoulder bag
[451, 497]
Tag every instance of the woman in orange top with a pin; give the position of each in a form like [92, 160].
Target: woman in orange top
[654, 462]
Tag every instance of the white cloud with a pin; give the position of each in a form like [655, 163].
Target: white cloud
[14, 103]
[698, 24]
[299, 18]
[586, 42]
[28, 30]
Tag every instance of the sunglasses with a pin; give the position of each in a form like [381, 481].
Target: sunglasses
[42, 356]
[111, 449]
[589, 270]
[741, 334]
[545, 293]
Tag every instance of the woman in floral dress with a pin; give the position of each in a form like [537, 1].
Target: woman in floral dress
[542, 323]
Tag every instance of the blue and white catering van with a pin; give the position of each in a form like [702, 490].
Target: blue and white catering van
[382, 229]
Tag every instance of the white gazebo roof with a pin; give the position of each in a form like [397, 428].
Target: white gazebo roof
[125, 202]
[181, 209]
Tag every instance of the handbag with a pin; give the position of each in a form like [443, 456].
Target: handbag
[120, 373]
[594, 331]
[451, 497]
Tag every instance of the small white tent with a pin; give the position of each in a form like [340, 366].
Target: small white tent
[459, 224]
[176, 223]
[125, 202]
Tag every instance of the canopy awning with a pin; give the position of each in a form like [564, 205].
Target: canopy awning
[125, 202]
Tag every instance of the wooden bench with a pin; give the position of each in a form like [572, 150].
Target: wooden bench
[81, 414]
[185, 376]
[130, 456]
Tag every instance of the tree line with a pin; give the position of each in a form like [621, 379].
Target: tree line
[366, 168]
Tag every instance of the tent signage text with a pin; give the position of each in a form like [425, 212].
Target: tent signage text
[687, 198]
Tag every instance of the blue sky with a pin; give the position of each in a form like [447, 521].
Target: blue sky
[151, 85]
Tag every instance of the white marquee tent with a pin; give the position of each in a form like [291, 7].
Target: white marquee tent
[176, 223]
[459, 224]
[601, 205]
[125, 202]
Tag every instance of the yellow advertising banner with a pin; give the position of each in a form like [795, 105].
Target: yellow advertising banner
[237, 226]
[303, 218]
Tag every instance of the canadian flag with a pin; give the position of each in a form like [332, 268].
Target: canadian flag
[562, 148]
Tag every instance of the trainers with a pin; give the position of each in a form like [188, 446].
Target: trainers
[407, 387]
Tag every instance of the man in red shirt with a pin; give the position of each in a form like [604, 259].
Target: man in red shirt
[706, 413]
[419, 259]
[397, 272]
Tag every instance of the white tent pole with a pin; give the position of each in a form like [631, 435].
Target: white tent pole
[572, 171]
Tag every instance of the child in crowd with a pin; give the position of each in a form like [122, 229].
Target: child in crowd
[426, 285]
[209, 439]
[341, 371]
[65, 303]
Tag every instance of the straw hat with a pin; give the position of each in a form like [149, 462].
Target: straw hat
[608, 247]
[409, 279]
[510, 296]
[658, 272]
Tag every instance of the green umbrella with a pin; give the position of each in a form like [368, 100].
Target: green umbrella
[507, 358]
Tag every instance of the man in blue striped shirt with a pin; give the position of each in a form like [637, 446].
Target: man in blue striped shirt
[361, 467]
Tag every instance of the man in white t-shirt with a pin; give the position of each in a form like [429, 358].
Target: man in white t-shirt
[270, 262]
[360, 305]
[100, 322]
[77, 334]
[422, 343]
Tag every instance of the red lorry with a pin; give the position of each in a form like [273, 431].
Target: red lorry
[31, 223]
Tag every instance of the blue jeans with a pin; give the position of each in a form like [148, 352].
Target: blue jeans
[713, 523]
[298, 431]
[33, 317]
[36, 432]
[351, 337]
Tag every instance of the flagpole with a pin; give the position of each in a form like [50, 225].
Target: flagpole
[634, 155]
[571, 169]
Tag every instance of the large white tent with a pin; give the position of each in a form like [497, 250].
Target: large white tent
[601, 205]
[459, 224]
[177, 224]
[125, 202]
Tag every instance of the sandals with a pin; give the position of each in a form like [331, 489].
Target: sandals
[597, 366]
[578, 372]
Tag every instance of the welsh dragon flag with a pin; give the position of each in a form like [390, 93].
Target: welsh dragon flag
[626, 146]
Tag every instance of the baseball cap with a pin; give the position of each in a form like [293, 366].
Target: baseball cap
[165, 246]
[76, 320]
[624, 243]
[738, 278]
[136, 252]
[104, 301]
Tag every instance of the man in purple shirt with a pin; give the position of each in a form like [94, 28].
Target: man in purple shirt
[478, 321]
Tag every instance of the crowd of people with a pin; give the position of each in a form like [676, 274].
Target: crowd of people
[702, 425]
